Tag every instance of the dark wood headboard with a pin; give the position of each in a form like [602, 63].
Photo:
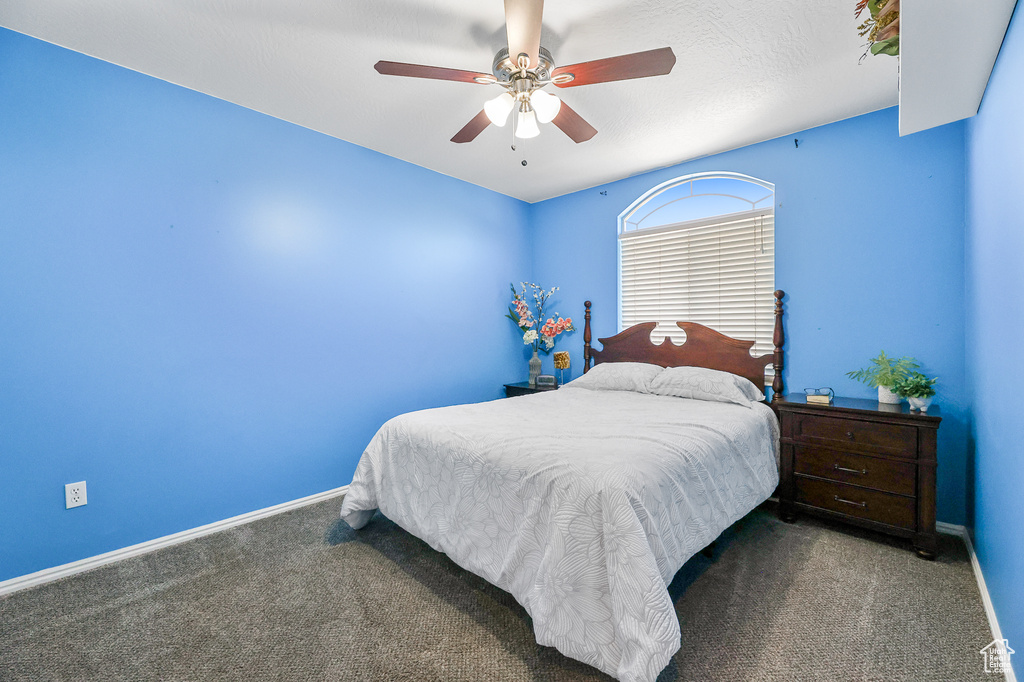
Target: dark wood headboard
[704, 347]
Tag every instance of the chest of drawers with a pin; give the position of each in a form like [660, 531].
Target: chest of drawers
[860, 462]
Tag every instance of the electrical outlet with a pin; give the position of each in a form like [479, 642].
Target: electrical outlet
[74, 494]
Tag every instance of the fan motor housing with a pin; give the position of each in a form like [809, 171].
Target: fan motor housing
[505, 69]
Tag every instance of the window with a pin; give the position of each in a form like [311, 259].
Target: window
[701, 248]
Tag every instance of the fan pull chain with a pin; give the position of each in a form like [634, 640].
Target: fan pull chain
[513, 128]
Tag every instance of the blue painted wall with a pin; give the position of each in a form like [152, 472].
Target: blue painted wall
[995, 305]
[869, 248]
[206, 311]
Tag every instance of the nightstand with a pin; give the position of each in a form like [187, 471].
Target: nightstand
[524, 388]
[860, 462]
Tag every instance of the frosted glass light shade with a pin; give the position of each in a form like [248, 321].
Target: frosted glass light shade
[526, 124]
[497, 109]
[546, 105]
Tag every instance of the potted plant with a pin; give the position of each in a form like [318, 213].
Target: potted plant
[537, 332]
[883, 373]
[916, 388]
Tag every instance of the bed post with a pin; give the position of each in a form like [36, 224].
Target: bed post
[778, 339]
[586, 337]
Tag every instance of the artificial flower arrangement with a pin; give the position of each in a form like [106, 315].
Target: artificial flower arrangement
[542, 337]
[882, 27]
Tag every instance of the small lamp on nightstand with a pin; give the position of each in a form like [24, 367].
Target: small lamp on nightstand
[561, 362]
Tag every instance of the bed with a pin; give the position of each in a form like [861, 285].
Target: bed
[584, 502]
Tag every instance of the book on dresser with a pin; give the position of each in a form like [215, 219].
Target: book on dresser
[860, 462]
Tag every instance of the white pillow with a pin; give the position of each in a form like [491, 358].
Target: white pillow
[701, 383]
[618, 376]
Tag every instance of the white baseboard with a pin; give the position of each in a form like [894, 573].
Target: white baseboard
[82, 565]
[986, 599]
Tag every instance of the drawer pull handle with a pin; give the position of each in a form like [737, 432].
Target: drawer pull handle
[849, 434]
[855, 504]
[859, 472]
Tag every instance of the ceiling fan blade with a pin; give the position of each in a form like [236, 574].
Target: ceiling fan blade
[472, 129]
[637, 65]
[573, 125]
[436, 72]
[522, 27]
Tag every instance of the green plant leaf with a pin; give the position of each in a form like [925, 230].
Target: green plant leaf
[915, 385]
[890, 47]
[884, 370]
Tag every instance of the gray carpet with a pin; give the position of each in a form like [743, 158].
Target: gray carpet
[300, 596]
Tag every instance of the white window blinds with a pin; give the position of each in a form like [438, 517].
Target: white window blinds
[719, 272]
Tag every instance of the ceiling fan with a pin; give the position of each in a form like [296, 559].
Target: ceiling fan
[523, 76]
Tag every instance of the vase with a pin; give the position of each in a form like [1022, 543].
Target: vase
[887, 396]
[920, 403]
[534, 368]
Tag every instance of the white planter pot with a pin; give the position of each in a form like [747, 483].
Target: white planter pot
[920, 403]
[887, 396]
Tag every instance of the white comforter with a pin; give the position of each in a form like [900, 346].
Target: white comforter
[582, 504]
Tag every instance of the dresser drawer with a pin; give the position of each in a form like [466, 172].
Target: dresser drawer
[852, 434]
[847, 467]
[893, 510]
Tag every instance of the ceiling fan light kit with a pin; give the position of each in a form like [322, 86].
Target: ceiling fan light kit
[526, 122]
[531, 70]
[546, 105]
[499, 108]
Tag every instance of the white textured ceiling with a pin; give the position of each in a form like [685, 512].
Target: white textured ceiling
[747, 71]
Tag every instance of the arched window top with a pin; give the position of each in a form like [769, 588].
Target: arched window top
[696, 197]
[701, 248]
